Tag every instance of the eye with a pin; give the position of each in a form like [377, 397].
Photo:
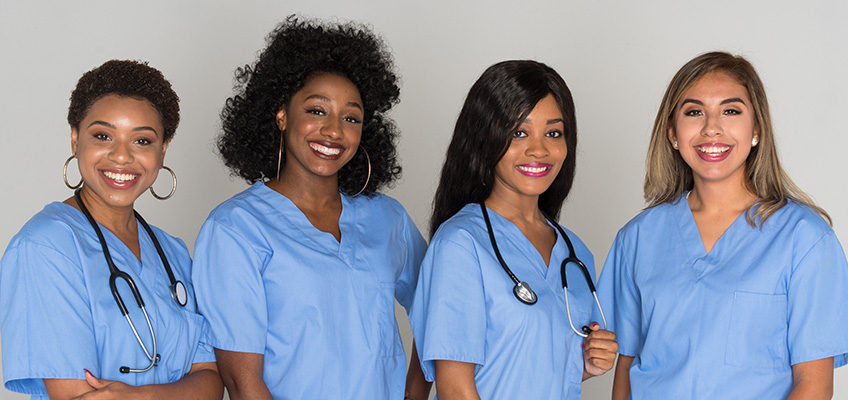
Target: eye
[693, 113]
[315, 111]
[731, 111]
[555, 134]
[519, 134]
[101, 136]
[353, 120]
[143, 141]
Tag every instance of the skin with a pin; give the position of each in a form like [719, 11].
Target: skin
[718, 109]
[538, 142]
[125, 136]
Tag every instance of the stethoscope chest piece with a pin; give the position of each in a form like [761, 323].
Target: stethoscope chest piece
[524, 293]
[179, 293]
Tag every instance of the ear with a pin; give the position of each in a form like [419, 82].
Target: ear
[281, 118]
[672, 137]
[165, 149]
[74, 139]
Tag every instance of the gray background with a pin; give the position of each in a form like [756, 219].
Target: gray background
[617, 57]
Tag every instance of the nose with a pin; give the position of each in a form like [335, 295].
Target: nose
[332, 128]
[536, 147]
[121, 153]
[712, 126]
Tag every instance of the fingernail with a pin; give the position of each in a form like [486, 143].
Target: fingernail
[88, 372]
[582, 345]
[595, 325]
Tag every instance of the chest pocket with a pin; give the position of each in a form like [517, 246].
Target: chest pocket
[757, 337]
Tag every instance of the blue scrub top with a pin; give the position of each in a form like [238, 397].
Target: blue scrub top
[58, 316]
[321, 312]
[731, 323]
[465, 310]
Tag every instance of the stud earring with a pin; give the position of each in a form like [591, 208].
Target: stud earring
[754, 141]
[674, 145]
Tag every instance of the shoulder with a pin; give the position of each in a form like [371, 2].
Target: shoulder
[803, 225]
[579, 247]
[249, 202]
[653, 220]
[465, 227]
[56, 226]
[379, 205]
[167, 241]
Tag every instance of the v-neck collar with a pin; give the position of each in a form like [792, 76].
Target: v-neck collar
[296, 218]
[116, 246]
[697, 256]
[531, 254]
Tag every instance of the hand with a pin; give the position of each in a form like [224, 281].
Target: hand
[106, 389]
[599, 351]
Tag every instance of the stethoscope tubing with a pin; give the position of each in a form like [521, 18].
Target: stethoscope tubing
[521, 287]
[115, 273]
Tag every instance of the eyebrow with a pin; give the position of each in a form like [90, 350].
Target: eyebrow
[136, 129]
[323, 98]
[725, 101]
[550, 121]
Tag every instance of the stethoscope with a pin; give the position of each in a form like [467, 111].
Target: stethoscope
[522, 290]
[178, 290]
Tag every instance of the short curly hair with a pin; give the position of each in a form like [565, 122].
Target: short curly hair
[297, 50]
[126, 78]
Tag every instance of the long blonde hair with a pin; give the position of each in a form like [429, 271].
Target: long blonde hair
[668, 175]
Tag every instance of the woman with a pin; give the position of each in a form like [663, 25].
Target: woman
[64, 307]
[299, 273]
[731, 284]
[510, 164]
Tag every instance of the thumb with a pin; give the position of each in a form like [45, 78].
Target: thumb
[594, 326]
[93, 381]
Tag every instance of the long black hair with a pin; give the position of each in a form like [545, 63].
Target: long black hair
[496, 104]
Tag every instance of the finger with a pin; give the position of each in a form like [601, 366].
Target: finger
[94, 382]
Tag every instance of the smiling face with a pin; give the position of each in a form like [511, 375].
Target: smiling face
[323, 125]
[535, 154]
[120, 149]
[714, 125]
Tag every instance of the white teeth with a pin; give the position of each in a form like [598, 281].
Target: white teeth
[534, 170]
[324, 149]
[713, 149]
[120, 178]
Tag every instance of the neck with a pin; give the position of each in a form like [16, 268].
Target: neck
[306, 190]
[518, 209]
[719, 197]
[115, 219]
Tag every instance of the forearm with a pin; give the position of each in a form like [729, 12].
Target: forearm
[812, 380]
[417, 387]
[621, 381]
[202, 384]
[243, 375]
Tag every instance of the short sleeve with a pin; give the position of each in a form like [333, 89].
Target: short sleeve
[449, 314]
[227, 275]
[204, 352]
[415, 246]
[45, 319]
[619, 297]
[818, 294]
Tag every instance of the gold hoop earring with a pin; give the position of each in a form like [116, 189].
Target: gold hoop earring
[280, 154]
[65, 174]
[173, 188]
[368, 178]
